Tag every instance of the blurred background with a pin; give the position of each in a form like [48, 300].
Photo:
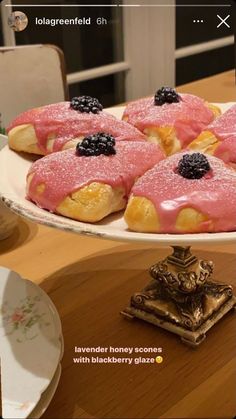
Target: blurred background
[136, 51]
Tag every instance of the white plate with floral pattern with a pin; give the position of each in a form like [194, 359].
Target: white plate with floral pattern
[31, 344]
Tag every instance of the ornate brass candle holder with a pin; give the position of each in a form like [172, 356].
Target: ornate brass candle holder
[181, 297]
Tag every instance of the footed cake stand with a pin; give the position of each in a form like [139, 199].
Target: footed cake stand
[181, 297]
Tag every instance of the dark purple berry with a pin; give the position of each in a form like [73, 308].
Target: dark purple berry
[166, 95]
[86, 104]
[193, 166]
[96, 144]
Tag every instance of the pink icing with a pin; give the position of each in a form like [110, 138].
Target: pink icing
[188, 117]
[64, 173]
[224, 129]
[226, 150]
[225, 125]
[64, 123]
[214, 195]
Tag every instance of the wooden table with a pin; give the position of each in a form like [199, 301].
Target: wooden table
[90, 281]
[218, 88]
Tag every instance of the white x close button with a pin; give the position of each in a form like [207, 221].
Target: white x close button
[223, 21]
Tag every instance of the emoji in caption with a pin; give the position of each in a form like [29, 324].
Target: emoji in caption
[159, 359]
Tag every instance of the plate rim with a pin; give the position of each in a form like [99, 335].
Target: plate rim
[35, 414]
[86, 229]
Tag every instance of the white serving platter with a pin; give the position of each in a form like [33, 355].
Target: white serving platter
[14, 168]
[31, 344]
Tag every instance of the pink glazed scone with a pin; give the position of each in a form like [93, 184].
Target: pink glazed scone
[170, 119]
[60, 126]
[185, 193]
[219, 138]
[92, 181]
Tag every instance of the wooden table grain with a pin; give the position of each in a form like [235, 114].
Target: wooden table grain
[90, 281]
[218, 88]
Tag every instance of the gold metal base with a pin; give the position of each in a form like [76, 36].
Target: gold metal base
[181, 298]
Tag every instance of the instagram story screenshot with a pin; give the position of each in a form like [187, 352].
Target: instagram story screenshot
[117, 209]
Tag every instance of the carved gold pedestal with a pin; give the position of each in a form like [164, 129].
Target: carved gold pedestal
[181, 297]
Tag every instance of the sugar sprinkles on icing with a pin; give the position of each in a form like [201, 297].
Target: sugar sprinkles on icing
[64, 172]
[64, 124]
[169, 192]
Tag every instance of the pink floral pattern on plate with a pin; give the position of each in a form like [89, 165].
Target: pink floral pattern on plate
[23, 318]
